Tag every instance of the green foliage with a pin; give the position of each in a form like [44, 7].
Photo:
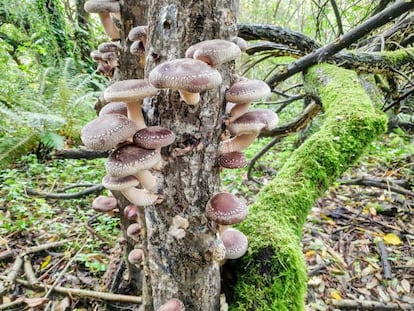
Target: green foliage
[48, 110]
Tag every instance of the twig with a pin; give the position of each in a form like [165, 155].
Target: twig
[6, 254]
[83, 293]
[337, 17]
[14, 271]
[321, 54]
[258, 156]
[12, 304]
[384, 259]
[79, 154]
[28, 271]
[369, 305]
[382, 184]
[43, 247]
[96, 189]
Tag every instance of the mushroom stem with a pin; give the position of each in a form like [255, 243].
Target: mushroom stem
[190, 98]
[139, 197]
[146, 179]
[237, 143]
[109, 27]
[135, 114]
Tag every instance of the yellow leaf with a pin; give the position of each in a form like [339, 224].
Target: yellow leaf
[392, 239]
[310, 253]
[45, 262]
[336, 295]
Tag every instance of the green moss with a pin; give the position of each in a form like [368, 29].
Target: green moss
[272, 275]
[398, 56]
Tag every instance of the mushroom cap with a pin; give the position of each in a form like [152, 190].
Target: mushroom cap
[108, 56]
[110, 46]
[214, 52]
[114, 107]
[226, 209]
[172, 305]
[131, 211]
[137, 48]
[130, 159]
[247, 91]
[130, 90]
[253, 122]
[96, 56]
[136, 256]
[235, 243]
[186, 74]
[119, 183]
[96, 6]
[235, 159]
[133, 230]
[138, 33]
[153, 137]
[107, 131]
[241, 43]
[104, 203]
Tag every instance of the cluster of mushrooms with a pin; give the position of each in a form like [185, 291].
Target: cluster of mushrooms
[135, 155]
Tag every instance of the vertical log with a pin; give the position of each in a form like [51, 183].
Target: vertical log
[184, 268]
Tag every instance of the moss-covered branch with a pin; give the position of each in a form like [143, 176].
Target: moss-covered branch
[272, 276]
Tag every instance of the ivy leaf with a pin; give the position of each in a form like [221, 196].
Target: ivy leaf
[52, 140]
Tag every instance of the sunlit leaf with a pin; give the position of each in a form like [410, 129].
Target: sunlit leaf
[392, 239]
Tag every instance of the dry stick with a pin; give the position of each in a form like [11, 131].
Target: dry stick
[96, 189]
[370, 305]
[363, 181]
[6, 254]
[82, 292]
[28, 271]
[384, 259]
[43, 247]
[12, 304]
[14, 271]
[80, 154]
[350, 37]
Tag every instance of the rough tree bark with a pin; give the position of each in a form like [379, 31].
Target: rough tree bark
[272, 276]
[184, 268]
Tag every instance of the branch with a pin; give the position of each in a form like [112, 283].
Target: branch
[338, 18]
[79, 154]
[83, 293]
[321, 54]
[348, 304]
[96, 189]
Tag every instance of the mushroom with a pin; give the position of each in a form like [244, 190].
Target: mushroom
[104, 204]
[247, 127]
[188, 76]
[132, 92]
[136, 256]
[214, 52]
[133, 231]
[226, 209]
[235, 159]
[133, 160]
[153, 137]
[242, 93]
[241, 43]
[126, 185]
[104, 8]
[110, 46]
[235, 243]
[107, 131]
[172, 305]
[131, 211]
[114, 108]
[139, 33]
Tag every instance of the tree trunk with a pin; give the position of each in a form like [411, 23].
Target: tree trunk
[184, 268]
[272, 276]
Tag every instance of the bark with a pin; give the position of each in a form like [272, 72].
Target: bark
[272, 276]
[184, 268]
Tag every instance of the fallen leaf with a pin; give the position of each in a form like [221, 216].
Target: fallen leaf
[406, 285]
[45, 262]
[35, 302]
[336, 295]
[391, 239]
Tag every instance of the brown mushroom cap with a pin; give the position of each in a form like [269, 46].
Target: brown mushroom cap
[253, 122]
[153, 137]
[235, 243]
[247, 91]
[105, 132]
[226, 209]
[134, 230]
[114, 107]
[131, 90]
[96, 56]
[186, 75]
[109, 46]
[214, 52]
[136, 256]
[104, 203]
[235, 159]
[137, 48]
[96, 6]
[130, 159]
[138, 33]
[172, 305]
[119, 183]
[131, 211]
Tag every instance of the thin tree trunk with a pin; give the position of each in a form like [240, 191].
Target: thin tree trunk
[184, 268]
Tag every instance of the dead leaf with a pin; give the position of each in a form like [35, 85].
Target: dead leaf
[35, 302]
[392, 239]
[63, 305]
[406, 286]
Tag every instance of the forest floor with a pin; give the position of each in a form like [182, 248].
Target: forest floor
[358, 241]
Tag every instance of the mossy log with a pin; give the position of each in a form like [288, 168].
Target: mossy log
[272, 275]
